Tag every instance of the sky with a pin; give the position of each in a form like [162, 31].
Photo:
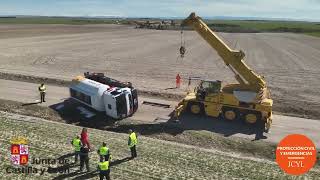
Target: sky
[286, 9]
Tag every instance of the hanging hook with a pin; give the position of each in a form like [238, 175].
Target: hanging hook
[182, 49]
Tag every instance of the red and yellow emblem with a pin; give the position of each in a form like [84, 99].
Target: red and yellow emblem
[19, 151]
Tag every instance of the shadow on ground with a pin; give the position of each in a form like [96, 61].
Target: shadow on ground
[189, 122]
[70, 114]
[32, 103]
[78, 174]
[186, 122]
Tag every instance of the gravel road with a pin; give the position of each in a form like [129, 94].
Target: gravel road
[282, 126]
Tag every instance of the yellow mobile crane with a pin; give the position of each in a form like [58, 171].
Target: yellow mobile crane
[249, 99]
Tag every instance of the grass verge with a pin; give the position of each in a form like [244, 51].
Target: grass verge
[157, 159]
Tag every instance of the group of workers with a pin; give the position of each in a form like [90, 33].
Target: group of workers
[82, 148]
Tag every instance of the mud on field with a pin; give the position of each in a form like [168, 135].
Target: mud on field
[148, 59]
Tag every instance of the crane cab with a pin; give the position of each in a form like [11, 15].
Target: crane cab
[207, 88]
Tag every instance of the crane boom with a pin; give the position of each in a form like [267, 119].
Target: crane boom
[232, 58]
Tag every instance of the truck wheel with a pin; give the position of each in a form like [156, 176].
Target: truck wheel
[230, 114]
[195, 108]
[252, 117]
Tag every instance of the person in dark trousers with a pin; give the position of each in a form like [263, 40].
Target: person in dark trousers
[104, 152]
[42, 90]
[132, 142]
[260, 126]
[76, 143]
[84, 157]
[104, 170]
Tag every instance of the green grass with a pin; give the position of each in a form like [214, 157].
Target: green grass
[157, 159]
[270, 25]
[310, 28]
[316, 34]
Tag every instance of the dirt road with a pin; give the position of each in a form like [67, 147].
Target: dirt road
[148, 58]
[282, 126]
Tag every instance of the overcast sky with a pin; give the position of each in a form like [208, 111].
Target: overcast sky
[292, 9]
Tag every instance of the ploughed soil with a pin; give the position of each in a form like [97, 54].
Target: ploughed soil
[149, 59]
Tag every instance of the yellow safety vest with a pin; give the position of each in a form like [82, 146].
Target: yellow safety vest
[103, 151]
[133, 139]
[104, 166]
[42, 88]
[76, 144]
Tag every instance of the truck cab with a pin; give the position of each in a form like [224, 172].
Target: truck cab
[122, 103]
[132, 95]
[116, 102]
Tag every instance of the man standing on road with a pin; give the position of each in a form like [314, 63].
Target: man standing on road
[260, 126]
[104, 152]
[84, 157]
[104, 170]
[132, 142]
[77, 146]
[42, 90]
[178, 81]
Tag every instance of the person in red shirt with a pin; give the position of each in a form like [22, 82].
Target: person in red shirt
[84, 137]
[178, 80]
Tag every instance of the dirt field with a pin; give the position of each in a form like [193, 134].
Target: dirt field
[148, 58]
[156, 159]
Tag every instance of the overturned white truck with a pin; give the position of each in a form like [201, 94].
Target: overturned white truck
[117, 102]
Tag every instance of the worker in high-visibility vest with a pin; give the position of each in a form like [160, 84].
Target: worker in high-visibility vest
[42, 90]
[104, 152]
[132, 142]
[104, 170]
[76, 143]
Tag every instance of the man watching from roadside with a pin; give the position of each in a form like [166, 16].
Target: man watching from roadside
[104, 152]
[132, 142]
[42, 89]
[76, 143]
[104, 169]
[84, 157]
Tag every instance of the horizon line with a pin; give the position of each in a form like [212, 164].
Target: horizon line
[166, 17]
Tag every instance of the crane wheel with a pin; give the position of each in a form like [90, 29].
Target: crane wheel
[195, 108]
[252, 117]
[230, 114]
